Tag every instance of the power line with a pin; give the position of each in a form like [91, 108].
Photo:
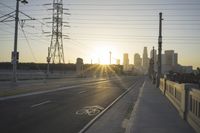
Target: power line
[23, 14]
[127, 4]
[133, 4]
[30, 48]
[6, 6]
[139, 9]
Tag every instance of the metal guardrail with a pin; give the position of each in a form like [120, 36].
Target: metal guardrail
[185, 98]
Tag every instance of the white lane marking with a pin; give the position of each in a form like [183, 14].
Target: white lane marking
[39, 104]
[82, 92]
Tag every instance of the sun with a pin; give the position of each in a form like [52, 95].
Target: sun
[101, 53]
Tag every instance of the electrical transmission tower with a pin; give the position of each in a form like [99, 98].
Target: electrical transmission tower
[55, 51]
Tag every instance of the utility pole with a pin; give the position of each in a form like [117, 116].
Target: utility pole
[15, 54]
[110, 56]
[153, 58]
[153, 62]
[159, 51]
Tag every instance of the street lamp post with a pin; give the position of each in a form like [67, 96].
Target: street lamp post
[159, 51]
[15, 54]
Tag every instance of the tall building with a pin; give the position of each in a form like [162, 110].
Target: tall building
[125, 62]
[169, 61]
[145, 61]
[151, 54]
[137, 60]
[171, 58]
[175, 59]
[155, 57]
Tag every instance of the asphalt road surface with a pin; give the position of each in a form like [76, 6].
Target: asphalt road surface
[56, 112]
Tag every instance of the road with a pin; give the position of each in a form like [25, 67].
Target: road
[55, 112]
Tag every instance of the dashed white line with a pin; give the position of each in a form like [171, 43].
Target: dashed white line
[82, 92]
[47, 91]
[39, 104]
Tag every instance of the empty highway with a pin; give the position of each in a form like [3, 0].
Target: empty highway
[61, 111]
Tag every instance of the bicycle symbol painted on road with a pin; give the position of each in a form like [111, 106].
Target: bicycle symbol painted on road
[90, 110]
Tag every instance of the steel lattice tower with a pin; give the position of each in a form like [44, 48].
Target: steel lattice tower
[55, 51]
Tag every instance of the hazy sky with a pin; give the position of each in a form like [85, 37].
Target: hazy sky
[100, 26]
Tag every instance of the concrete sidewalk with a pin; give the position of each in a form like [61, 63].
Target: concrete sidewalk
[153, 113]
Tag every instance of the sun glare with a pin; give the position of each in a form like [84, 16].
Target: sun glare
[101, 53]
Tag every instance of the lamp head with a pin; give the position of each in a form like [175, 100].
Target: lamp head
[24, 1]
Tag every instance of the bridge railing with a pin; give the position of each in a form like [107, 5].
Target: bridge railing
[176, 94]
[185, 98]
[162, 85]
[193, 115]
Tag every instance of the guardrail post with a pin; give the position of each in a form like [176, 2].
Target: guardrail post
[185, 101]
[164, 86]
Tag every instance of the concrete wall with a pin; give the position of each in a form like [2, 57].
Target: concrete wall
[193, 116]
[29, 75]
[185, 98]
[175, 92]
[162, 85]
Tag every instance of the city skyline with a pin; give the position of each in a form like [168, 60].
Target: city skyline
[115, 28]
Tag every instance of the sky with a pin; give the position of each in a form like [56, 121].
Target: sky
[100, 26]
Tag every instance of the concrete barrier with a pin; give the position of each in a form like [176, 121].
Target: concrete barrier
[162, 85]
[193, 115]
[176, 93]
[185, 98]
[35, 75]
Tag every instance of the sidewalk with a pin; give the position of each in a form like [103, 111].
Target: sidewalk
[152, 113]
[155, 114]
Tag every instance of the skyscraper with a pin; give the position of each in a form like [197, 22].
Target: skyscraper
[125, 62]
[145, 61]
[155, 58]
[151, 54]
[137, 60]
[171, 58]
[169, 61]
[175, 59]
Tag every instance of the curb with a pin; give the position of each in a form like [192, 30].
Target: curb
[131, 120]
